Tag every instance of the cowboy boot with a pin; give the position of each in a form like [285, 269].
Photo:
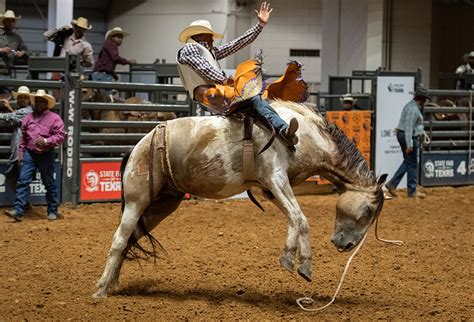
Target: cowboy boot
[290, 132]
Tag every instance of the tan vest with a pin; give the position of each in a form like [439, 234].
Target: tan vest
[192, 79]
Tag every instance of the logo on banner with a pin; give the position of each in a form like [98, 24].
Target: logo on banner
[396, 88]
[100, 181]
[91, 181]
[429, 169]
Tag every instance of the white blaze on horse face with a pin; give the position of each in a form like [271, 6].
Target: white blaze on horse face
[355, 214]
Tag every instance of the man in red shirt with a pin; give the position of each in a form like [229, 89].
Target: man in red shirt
[42, 131]
[109, 56]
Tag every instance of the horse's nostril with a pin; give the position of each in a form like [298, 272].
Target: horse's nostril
[348, 246]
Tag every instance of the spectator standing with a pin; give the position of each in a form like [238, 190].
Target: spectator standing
[409, 132]
[462, 70]
[349, 103]
[14, 118]
[70, 39]
[11, 45]
[109, 56]
[42, 131]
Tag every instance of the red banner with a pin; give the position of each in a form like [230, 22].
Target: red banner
[100, 181]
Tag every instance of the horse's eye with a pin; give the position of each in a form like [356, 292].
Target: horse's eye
[368, 210]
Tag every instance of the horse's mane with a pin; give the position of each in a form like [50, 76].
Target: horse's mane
[346, 155]
[349, 158]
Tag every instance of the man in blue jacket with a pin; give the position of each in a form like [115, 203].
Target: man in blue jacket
[409, 132]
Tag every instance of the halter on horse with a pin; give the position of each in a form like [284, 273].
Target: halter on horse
[203, 156]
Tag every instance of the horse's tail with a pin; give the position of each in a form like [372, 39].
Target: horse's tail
[134, 250]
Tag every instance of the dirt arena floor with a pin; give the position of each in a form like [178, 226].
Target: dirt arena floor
[223, 264]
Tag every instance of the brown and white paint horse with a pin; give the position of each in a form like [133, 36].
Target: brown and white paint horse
[203, 156]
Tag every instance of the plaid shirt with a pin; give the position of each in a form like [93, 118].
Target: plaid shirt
[191, 55]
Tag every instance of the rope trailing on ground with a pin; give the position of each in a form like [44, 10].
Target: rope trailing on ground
[307, 300]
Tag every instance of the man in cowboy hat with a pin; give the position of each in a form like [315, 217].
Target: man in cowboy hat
[70, 39]
[42, 131]
[14, 117]
[109, 56]
[348, 103]
[462, 70]
[409, 132]
[11, 43]
[199, 70]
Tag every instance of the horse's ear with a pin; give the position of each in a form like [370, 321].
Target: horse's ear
[381, 181]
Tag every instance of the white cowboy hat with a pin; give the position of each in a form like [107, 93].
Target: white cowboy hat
[9, 14]
[41, 93]
[347, 97]
[116, 31]
[468, 55]
[22, 90]
[82, 22]
[198, 27]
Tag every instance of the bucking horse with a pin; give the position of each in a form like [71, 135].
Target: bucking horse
[208, 157]
[203, 156]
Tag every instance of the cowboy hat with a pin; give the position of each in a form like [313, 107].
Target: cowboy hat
[22, 90]
[422, 92]
[198, 27]
[347, 97]
[41, 93]
[468, 55]
[9, 14]
[116, 31]
[82, 22]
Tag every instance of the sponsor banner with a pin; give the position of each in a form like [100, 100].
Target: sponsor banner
[356, 125]
[441, 169]
[100, 181]
[393, 93]
[37, 189]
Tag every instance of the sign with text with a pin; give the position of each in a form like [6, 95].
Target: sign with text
[37, 189]
[442, 169]
[100, 181]
[393, 93]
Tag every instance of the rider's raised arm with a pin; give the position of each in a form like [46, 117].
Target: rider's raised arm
[231, 47]
[191, 55]
[263, 15]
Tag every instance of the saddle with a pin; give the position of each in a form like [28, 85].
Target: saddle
[249, 81]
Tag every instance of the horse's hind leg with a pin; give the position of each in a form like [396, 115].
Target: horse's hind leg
[298, 229]
[136, 184]
[164, 204]
[128, 224]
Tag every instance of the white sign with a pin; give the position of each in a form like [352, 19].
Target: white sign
[392, 96]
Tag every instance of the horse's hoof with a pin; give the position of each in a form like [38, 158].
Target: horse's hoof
[99, 295]
[305, 271]
[287, 264]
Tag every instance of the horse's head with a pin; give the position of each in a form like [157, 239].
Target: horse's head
[356, 211]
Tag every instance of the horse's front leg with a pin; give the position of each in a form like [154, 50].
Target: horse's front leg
[298, 229]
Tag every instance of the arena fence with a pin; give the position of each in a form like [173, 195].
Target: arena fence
[88, 141]
[447, 157]
[88, 162]
[96, 145]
